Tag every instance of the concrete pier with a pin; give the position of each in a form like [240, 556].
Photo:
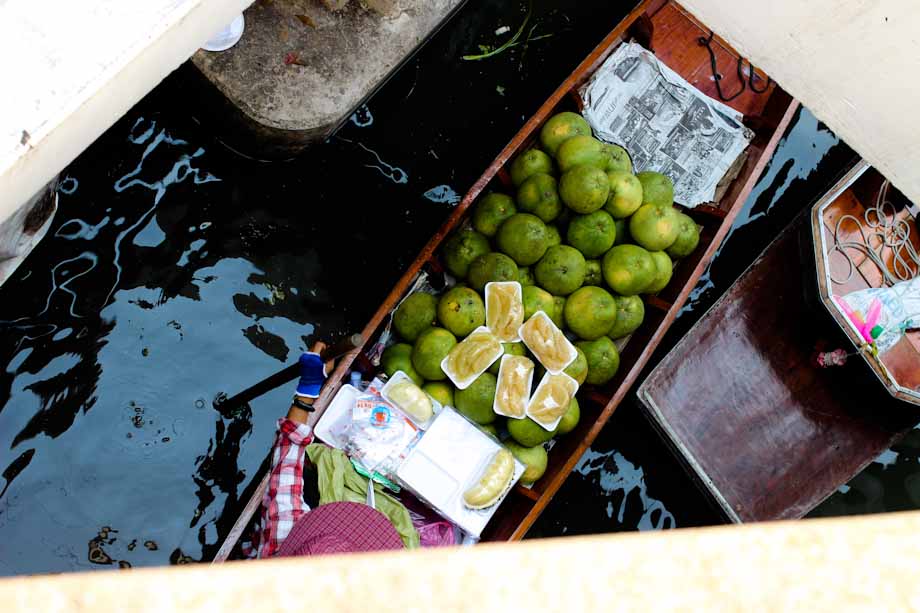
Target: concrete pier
[301, 68]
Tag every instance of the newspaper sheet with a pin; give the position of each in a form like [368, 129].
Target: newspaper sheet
[665, 124]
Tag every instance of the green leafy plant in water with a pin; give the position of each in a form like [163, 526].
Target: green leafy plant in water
[487, 53]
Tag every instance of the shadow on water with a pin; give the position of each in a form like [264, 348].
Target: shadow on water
[176, 270]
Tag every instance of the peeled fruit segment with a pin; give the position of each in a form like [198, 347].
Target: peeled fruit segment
[548, 343]
[552, 399]
[472, 357]
[412, 400]
[504, 310]
[493, 481]
[513, 391]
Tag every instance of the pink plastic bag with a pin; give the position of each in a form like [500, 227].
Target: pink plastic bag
[433, 530]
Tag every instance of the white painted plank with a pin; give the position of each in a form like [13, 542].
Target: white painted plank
[71, 69]
[853, 63]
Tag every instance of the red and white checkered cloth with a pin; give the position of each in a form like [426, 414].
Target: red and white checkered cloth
[283, 503]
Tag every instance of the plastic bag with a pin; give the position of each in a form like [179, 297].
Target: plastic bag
[379, 436]
[883, 314]
[433, 530]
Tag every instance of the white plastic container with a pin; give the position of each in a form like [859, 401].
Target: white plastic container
[507, 373]
[507, 331]
[489, 358]
[335, 419]
[540, 344]
[400, 378]
[571, 387]
[450, 456]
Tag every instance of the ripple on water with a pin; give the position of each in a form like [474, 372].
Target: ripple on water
[618, 477]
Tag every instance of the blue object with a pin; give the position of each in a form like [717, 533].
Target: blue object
[312, 375]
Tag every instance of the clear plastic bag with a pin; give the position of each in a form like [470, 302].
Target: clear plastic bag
[380, 436]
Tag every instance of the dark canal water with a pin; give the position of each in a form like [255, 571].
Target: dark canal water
[175, 270]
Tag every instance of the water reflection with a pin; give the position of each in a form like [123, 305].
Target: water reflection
[804, 147]
[175, 270]
[617, 477]
[109, 352]
[890, 483]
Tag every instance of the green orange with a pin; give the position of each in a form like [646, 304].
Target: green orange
[628, 269]
[582, 150]
[561, 127]
[539, 195]
[491, 267]
[523, 238]
[584, 188]
[590, 312]
[561, 270]
[654, 227]
[461, 249]
[530, 163]
[491, 211]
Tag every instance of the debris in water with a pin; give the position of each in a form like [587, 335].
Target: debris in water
[276, 293]
[393, 173]
[96, 553]
[362, 117]
[145, 352]
[502, 30]
[179, 557]
[500, 90]
[487, 51]
[151, 546]
[132, 545]
[508, 43]
[443, 193]
[68, 185]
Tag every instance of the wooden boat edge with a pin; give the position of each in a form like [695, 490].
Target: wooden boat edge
[822, 279]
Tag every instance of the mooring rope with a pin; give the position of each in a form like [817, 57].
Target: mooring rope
[705, 41]
[880, 222]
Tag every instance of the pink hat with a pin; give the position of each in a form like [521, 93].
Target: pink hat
[340, 527]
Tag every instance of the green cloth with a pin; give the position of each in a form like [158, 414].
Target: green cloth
[340, 482]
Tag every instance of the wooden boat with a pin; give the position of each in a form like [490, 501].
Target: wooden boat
[842, 269]
[742, 400]
[674, 36]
